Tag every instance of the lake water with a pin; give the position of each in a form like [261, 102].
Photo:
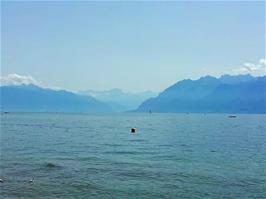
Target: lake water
[96, 156]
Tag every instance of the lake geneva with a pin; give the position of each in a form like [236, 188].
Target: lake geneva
[96, 156]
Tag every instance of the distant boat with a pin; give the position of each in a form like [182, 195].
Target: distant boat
[6, 112]
[232, 116]
[150, 111]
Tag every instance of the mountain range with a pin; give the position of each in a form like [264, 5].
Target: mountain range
[31, 98]
[227, 94]
[118, 100]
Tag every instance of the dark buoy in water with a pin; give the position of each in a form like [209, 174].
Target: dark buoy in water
[133, 130]
[1, 180]
[31, 180]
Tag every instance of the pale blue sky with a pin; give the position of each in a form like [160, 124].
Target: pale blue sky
[134, 46]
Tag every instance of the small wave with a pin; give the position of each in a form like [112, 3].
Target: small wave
[113, 145]
[187, 150]
[165, 145]
[129, 152]
[184, 145]
[90, 158]
[163, 157]
[137, 140]
[50, 165]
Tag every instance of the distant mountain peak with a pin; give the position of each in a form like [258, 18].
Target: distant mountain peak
[208, 77]
[227, 94]
[31, 98]
[233, 79]
[236, 76]
[120, 100]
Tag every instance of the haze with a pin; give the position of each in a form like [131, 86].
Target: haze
[134, 46]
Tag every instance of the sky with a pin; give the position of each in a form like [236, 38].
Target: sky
[134, 46]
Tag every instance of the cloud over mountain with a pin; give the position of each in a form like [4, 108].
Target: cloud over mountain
[257, 69]
[15, 79]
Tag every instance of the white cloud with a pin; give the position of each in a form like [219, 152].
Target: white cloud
[257, 69]
[15, 79]
[263, 61]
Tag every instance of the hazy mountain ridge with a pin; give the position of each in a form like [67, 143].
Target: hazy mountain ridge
[31, 98]
[227, 94]
[119, 100]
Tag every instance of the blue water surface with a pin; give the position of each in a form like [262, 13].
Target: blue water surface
[96, 156]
